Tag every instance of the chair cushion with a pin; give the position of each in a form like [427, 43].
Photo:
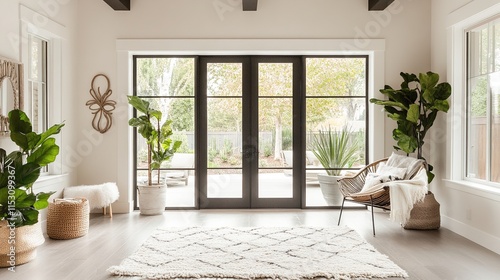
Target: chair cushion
[411, 164]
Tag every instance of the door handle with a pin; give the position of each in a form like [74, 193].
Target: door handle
[249, 151]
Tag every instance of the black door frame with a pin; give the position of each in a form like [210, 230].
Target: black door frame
[298, 171]
[219, 203]
[299, 135]
[250, 134]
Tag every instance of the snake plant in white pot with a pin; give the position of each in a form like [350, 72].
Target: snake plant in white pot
[161, 147]
[334, 150]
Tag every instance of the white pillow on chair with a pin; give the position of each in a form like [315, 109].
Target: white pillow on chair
[384, 174]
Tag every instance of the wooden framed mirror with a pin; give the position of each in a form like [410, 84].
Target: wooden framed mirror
[11, 90]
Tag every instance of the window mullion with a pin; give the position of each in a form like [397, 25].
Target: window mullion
[489, 99]
[489, 125]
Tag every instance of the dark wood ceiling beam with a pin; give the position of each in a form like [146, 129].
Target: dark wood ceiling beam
[119, 5]
[378, 5]
[250, 5]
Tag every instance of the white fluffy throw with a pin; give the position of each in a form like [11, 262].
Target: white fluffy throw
[98, 195]
[405, 193]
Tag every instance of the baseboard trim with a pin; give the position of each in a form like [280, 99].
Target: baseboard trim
[482, 238]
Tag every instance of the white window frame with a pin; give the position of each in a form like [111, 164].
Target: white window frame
[457, 117]
[52, 32]
[490, 65]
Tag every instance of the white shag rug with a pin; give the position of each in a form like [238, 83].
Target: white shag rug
[257, 253]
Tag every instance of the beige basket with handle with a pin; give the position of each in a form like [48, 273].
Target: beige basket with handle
[68, 218]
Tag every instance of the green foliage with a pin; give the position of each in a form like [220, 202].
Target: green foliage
[19, 170]
[335, 149]
[287, 139]
[267, 148]
[182, 114]
[184, 147]
[478, 98]
[158, 136]
[415, 107]
[213, 152]
[171, 76]
[227, 150]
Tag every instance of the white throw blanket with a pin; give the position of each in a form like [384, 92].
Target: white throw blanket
[404, 193]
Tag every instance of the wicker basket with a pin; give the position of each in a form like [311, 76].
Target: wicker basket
[425, 214]
[27, 239]
[68, 218]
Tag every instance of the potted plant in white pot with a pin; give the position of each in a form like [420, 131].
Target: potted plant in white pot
[161, 147]
[334, 150]
[415, 107]
[20, 230]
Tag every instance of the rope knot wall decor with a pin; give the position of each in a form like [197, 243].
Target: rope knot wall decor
[101, 107]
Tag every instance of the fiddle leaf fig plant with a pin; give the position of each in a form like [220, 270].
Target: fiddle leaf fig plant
[158, 136]
[19, 170]
[415, 107]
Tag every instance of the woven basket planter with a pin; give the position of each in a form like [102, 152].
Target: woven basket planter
[425, 215]
[68, 218]
[23, 239]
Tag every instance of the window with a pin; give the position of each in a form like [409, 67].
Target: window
[42, 55]
[253, 123]
[168, 84]
[336, 101]
[483, 102]
[37, 82]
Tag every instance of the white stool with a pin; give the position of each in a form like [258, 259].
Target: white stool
[98, 195]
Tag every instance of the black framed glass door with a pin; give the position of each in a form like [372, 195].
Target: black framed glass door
[246, 124]
[248, 115]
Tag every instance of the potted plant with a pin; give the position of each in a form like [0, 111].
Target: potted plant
[334, 150]
[161, 147]
[20, 231]
[415, 107]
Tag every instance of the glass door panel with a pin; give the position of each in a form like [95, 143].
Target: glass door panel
[224, 130]
[168, 84]
[275, 93]
[247, 109]
[275, 183]
[336, 99]
[225, 183]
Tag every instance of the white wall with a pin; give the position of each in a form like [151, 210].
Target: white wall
[93, 29]
[471, 212]
[406, 32]
[63, 12]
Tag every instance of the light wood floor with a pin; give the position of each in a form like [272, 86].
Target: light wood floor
[425, 255]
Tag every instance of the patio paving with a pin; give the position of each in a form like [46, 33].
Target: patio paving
[272, 185]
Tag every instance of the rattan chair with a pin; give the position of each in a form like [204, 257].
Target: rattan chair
[351, 186]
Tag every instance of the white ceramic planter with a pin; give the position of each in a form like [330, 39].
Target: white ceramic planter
[152, 199]
[330, 189]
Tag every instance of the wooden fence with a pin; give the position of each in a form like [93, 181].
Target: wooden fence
[477, 149]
